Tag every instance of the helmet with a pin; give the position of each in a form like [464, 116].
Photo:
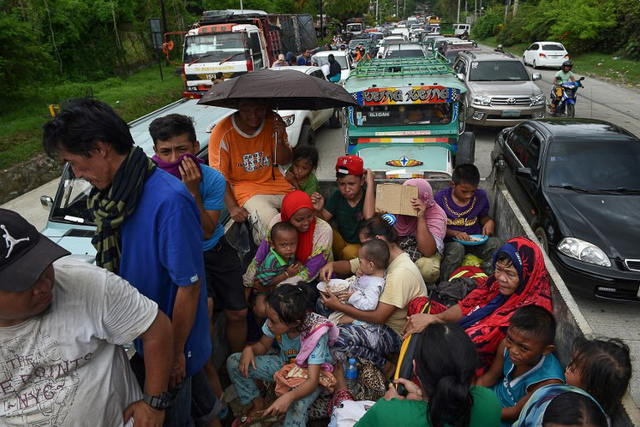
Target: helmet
[567, 64]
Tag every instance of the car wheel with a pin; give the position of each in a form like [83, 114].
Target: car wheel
[541, 235]
[535, 67]
[306, 135]
[466, 150]
[334, 120]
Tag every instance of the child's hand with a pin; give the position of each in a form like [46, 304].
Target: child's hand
[318, 202]
[487, 229]
[292, 180]
[344, 296]
[461, 235]
[280, 406]
[293, 269]
[419, 206]
[368, 177]
[246, 359]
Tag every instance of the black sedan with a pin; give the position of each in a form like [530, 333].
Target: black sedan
[577, 182]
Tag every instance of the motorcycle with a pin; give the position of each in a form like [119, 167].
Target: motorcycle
[565, 94]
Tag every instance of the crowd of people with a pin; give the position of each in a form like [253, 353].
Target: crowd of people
[164, 265]
[330, 67]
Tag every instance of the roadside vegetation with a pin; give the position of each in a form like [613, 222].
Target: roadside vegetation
[602, 36]
[21, 122]
[606, 66]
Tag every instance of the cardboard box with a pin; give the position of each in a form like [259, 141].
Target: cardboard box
[395, 199]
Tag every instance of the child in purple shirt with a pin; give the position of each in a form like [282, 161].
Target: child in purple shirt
[467, 209]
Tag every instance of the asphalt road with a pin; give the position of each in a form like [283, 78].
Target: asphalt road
[598, 99]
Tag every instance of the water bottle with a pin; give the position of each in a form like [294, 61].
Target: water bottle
[351, 375]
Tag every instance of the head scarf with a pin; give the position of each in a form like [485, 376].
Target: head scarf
[532, 413]
[489, 327]
[434, 215]
[291, 204]
[174, 168]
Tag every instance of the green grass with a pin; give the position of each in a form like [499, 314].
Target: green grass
[625, 71]
[21, 123]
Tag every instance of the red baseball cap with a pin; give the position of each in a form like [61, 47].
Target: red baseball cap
[350, 165]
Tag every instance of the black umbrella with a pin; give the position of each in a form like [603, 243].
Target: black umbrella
[282, 89]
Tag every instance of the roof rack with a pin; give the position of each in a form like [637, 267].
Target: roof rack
[435, 65]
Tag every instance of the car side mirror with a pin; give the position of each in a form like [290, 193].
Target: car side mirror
[46, 202]
[537, 76]
[524, 173]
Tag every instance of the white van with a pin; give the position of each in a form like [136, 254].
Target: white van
[460, 29]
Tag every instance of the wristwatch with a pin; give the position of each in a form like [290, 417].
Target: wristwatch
[159, 402]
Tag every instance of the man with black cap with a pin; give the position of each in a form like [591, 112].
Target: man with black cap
[62, 326]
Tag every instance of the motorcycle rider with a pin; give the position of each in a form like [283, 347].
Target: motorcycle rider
[565, 75]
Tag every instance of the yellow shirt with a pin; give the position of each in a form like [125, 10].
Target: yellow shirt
[404, 283]
[246, 161]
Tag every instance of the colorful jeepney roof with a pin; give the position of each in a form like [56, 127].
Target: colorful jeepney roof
[404, 81]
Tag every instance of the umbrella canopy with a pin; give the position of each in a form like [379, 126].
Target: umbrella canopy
[282, 89]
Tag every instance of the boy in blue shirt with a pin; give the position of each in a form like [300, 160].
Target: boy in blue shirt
[176, 146]
[524, 361]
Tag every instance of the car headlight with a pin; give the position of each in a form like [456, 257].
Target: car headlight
[584, 251]
[288, 120]
[482, 100]
[538, 99]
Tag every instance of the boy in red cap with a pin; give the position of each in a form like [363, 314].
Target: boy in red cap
[352, 203]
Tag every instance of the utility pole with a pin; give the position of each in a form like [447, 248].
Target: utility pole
[475, 10]
[515, 7]
[458, 15]
[321, 22]
[164, 29]
[377, 13]
[397, 4]
[241, 8]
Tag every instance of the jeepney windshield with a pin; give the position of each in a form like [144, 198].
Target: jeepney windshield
[402, 115]
[214, 47]
[70, 204]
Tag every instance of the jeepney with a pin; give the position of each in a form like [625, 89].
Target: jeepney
[410, 122]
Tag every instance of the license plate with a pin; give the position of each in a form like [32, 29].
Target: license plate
[511, 113]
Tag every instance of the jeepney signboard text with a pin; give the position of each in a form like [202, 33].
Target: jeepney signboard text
[407, 95]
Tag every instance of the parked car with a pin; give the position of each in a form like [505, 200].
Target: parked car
[545, 54]
[576, 183]
[461, 29]
[343, 59]
[500, 90]
[301, 124]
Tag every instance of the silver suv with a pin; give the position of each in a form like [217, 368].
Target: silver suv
[500, 90]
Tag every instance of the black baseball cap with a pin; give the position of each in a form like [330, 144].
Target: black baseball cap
[24, 253]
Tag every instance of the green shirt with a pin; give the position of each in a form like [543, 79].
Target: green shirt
[311, 185]
[564, 77]
[349, 219]
[485, 412]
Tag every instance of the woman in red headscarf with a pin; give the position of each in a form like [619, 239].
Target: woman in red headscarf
[315, 238]
[520, 279]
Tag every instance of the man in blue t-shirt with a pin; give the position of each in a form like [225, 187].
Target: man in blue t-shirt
[147, 230]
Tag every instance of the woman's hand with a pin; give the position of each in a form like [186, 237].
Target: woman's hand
[413, 391]
[418, 323]
[246, 359]
[330, 300]
[326, 272]
[279, 406]
[392, 393]
[419, 206]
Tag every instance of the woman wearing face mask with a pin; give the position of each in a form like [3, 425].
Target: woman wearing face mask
[520, 278]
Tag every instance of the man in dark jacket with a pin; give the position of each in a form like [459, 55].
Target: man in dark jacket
[335, 70]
